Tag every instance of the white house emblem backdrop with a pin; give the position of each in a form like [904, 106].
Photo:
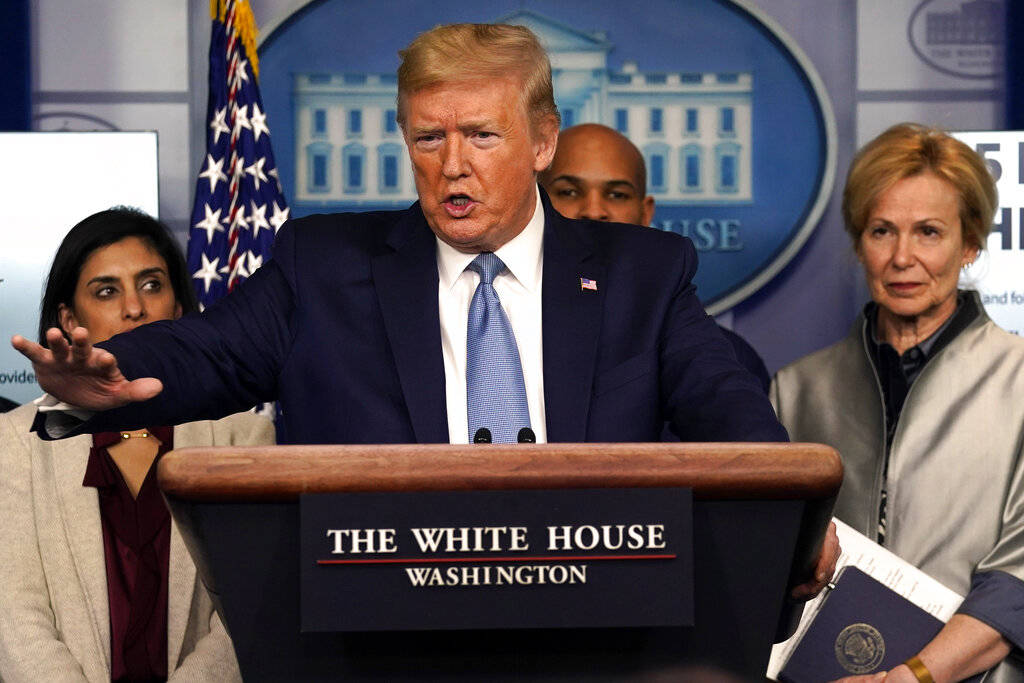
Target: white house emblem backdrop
[732, 120]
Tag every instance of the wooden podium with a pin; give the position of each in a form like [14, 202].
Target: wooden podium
[760, 513]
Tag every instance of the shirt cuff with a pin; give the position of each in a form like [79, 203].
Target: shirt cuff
[997, 598]
[56, 418]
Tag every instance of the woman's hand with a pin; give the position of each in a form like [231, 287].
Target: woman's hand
[901, 674]
[965, 646]
[82, 375]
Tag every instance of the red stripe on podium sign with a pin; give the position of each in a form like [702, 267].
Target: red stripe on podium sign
[441, 560]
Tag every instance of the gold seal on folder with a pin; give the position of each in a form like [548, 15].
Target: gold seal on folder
[860, 648]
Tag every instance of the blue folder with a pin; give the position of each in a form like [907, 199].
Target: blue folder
[863, 627]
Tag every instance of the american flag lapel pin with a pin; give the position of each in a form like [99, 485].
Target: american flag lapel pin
[587, 283]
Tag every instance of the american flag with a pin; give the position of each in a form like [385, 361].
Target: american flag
[239, 205]
[587, 283]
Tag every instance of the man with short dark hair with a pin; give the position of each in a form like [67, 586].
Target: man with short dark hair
[597, 173]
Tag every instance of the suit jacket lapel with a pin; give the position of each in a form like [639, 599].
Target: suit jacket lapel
[79, 510]
[406, 283]
[572, 325]
[181, 579]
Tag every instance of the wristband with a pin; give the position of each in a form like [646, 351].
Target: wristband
[919, 670]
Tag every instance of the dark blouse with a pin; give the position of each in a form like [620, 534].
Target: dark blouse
[136, 547]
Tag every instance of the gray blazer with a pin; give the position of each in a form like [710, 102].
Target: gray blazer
[955, 483]
[54, 613]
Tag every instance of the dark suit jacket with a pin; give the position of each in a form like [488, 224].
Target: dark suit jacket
[341, 326]
[748, 357]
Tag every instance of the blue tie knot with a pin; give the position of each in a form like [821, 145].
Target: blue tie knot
[488, 265]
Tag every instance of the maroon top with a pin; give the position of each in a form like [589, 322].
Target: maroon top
[136, 547]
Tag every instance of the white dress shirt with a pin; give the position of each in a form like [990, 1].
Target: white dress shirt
[519, 289]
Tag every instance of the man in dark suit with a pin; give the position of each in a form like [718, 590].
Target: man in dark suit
[597, 173]
[582, 331]
[343, 324]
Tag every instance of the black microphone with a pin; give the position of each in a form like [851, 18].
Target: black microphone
[526, 435]
[483, 435]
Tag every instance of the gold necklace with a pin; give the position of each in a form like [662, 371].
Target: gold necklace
[128, 435]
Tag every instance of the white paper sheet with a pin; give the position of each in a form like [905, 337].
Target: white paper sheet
[882, 565]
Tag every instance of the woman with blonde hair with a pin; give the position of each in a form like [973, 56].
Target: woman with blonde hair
[924, 399]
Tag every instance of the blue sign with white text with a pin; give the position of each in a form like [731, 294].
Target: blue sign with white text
[448, 560]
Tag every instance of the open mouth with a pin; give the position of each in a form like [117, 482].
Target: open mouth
[458, 205]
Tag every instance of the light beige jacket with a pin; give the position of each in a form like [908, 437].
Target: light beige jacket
[955, 485]
[54, 613]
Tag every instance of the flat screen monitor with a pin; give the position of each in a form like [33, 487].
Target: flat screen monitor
[996, 273]
[49, 182]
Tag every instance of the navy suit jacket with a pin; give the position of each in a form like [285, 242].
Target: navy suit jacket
[342, 327]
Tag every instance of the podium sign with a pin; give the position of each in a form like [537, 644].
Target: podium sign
[759, 514]
[433, 560]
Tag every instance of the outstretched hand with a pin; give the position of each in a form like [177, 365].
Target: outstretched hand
[82, 375]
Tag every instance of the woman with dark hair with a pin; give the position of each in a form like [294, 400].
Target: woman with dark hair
[98, 585]
[100, 230]
[924, 399]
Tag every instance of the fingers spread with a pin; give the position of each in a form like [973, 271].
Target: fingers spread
[81, 348]
[34, 352]
[58, 344]
[105, 361]
[143, 389]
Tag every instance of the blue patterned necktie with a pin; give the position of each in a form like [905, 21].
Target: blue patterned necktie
[495, 392]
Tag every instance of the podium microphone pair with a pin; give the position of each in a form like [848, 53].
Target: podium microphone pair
[526, 435]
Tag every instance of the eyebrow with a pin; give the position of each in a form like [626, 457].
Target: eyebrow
[920, 221]
[420, 130]
[110, 279]
[607, 183]
[477, 125]
[464, 127]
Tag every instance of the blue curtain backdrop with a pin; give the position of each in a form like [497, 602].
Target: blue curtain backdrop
[15, 71]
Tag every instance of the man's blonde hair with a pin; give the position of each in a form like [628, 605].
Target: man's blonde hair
[463, 52]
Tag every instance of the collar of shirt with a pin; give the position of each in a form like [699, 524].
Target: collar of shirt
[521, 255]
[520, 291]
[966, 311]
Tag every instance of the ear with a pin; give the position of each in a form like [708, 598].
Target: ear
[648, 214]
[970, 254]
[545, 140]
[67, 318]
[177, 310]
